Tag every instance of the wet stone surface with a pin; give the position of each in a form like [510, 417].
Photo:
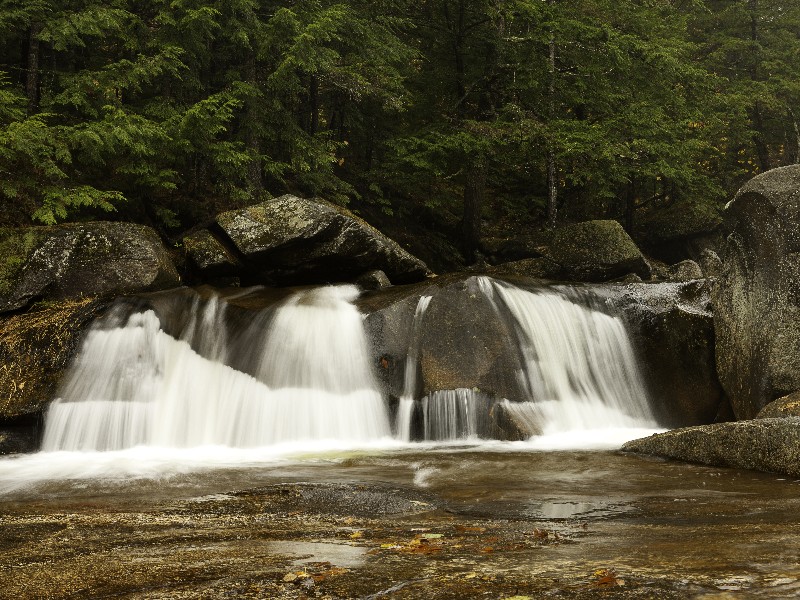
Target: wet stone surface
[437, 524]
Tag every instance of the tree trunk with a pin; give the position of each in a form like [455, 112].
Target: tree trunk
[474, 193]
[762, 150]
[630, 207]
[796, 158]
[32, 78]
[552, 183]
[759, 139]
[313, 99]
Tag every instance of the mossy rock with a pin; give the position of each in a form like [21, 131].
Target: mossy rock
[35, 349]
[290, 240]
[595, 251]
[81, 259]
[16, 247]
[682, 219]
[208, 255]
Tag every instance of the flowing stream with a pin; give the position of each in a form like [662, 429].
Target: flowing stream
[155, 390]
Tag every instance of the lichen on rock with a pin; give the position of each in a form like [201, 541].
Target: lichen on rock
[81, 259]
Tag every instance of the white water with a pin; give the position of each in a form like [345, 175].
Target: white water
[137, 386]
[455, 414]
[581, 371]
[141, 403]
[405, 409]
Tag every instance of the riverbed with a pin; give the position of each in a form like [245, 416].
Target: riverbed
[433, 522]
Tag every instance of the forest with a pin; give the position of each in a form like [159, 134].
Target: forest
[492, 115]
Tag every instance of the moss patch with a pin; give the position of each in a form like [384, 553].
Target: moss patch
[16, 246]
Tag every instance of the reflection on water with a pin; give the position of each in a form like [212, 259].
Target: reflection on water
[729, 530]
[340, 555]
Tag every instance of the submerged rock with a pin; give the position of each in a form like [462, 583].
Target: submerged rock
[35, 349]
[771, 445]
[82, 259]
[295, 240]
[757, 295]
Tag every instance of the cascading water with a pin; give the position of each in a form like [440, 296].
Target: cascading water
[405, 409]
[136, 385]
[301, 371]
[580, 369]
[579, 373]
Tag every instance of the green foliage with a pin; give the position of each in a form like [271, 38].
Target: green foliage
[167, 111]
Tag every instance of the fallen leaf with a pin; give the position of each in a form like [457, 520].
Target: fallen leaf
[607, 578]
[470, 529]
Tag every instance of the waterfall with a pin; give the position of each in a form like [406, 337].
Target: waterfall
[579, 373]
[405, 409]
[580, 368]
[199, 371]
[133, 384]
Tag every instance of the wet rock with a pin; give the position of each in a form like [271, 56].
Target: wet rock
[83, 259]
[595, 251]
[771, 445]
[685, 270]
[209, 256]
[295, 240]
[710, 263]
[466, 343]
[462, 340]
[788, 406]
[375, 500]
[373, 280]
[19, 438]
[674, 331]
[757, 294]
[35, 349]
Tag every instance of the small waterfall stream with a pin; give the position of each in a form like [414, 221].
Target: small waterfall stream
[134, 385]
[303, 371]
[580, 368]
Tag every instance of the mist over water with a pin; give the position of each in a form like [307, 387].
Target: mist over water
[296, 383]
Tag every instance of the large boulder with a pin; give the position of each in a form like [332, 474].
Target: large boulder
[771, 445]
[757, 296]
[459, 338]
[296, 240]
[673, 329]
[595, 251]
[82, 259]
[590, 251]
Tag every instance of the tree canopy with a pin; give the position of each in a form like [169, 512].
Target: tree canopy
[504, 112]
